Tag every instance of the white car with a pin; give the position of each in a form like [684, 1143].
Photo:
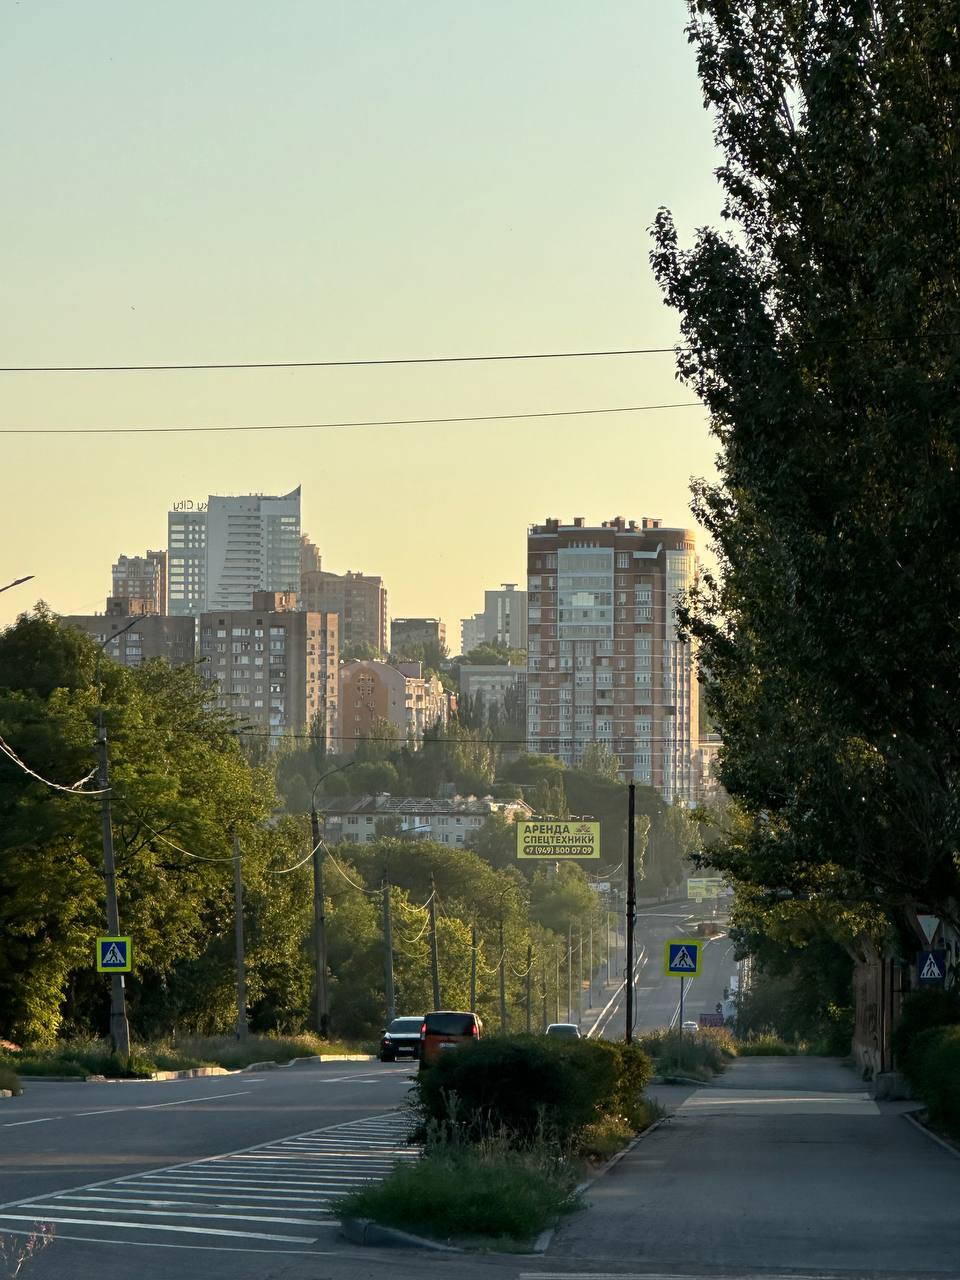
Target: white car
[690, 1026]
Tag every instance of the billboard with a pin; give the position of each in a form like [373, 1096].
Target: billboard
[555, 841]
[700, 887]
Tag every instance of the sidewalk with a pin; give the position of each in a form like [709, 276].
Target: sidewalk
[782, 1163]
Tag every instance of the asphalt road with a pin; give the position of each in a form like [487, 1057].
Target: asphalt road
[656, 996]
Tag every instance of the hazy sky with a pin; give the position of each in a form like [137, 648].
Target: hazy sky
[213, 181]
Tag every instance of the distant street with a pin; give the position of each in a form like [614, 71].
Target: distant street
[657, 997]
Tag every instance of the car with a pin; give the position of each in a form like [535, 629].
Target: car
[446, 1029]
[690, 1026]
[565, 1030]
[401, 1037]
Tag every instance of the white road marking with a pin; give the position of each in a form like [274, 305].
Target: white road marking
[108, 1112]
[183, 1102]
[15, 1124]
[291, 1183]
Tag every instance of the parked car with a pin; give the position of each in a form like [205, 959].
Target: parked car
[401, 1037]
[567, 1029]
[446, 1029]
[689, 1026]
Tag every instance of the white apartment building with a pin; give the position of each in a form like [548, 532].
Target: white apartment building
[222, 551]
[452, 822]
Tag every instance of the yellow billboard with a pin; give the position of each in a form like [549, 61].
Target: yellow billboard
[553, 841]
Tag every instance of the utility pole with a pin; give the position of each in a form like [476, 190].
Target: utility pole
[556, 955]
[503, 982]
[321, 987]
[434, 955]
[319, 931]
[119, 1027]
[529, 988]
[607, 918]
[590, 968]
[543, 993]
[569, 970]
[580, 973]
[631, 905]
[473, 968]
[388, 952]
[238, 937]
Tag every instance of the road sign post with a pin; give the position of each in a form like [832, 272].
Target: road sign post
[682, 958]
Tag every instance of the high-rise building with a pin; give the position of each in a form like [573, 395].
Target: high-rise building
[222, 551]
[143, 581]
[358, 599]
[187, 560]
[152, 636]
[274, 666]
[407, 634]
[505, 616]
[605, 664]
[472, 632]
[253, 544]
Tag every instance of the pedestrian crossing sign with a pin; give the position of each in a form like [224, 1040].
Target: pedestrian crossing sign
[932, 967]
[681, 958]
[114, 955]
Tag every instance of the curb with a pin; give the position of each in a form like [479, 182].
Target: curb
[366, 1232]
[545, 1238]
[191, 1073]
[911, 1117]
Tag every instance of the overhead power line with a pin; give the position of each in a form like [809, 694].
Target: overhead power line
[366, 422]
[74, 789]
[332, 364]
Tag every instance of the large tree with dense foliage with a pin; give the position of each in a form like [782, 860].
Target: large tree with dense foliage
[822, 332]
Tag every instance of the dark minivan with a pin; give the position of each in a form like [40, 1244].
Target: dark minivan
[444, 1030]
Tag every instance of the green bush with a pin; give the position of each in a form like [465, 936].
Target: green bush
[486, 1191]
[529, 1087]
[697, 1054]
[920, 1011]
[765, 1044]
[9, 1080]
[933, 1068]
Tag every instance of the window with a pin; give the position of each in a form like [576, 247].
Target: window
[623, 559]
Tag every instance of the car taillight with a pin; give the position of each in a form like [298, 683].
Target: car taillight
[423, 1032]
[474, 1029]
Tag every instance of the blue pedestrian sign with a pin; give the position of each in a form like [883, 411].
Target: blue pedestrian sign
[681, 958]
[931, 967]
[114, 955]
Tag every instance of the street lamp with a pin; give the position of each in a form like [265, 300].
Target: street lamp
[17, 581]
[319, 914]
[119, 1026]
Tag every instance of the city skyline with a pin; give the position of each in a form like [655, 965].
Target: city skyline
[516, 223]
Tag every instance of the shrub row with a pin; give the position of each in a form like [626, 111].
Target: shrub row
[933, 1068]
[533, 1089]
[700, 1054]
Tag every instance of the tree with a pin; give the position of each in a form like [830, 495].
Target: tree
[821, 334]
[599, 761]
[360, 651]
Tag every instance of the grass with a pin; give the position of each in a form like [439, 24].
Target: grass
[485, 1192]
[602, 1140]
[767, 1044]
[697, 1055]
[83, 1057]
[10, 1080]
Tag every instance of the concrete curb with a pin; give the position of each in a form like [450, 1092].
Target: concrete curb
[366, 1232]
[191, 1073]
[545, 1238]
[911, 1117]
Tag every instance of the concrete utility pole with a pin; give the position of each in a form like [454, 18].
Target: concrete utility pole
[556, 953]
[631, 905]
[119, 1027]
[241, 960]
[569, 970]
[580, 973]
[529, 988]
[321, 986]
[473, 968]
[590, 970]
[503, 981]
[543, 993]
[434, 954]
[388, 952]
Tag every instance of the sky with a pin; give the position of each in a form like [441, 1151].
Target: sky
[321, 180]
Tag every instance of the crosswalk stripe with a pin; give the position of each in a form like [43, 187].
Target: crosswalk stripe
[289, 1183]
